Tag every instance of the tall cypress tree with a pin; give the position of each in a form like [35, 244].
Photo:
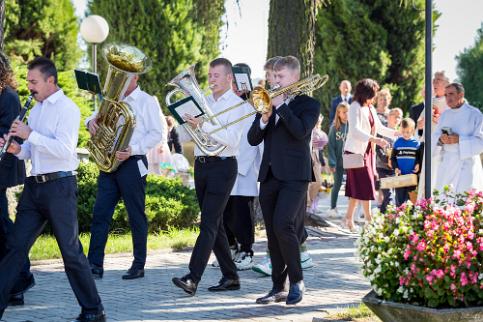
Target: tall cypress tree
[173, 33]
[379, 39]
[291, 30]
[42, 27]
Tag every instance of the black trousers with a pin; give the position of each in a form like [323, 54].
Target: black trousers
[387, 194]
[6, 226]
[281, 203]
[54, 202]
[238, 221]
[213, 184]
[402, 194]
[126, 183]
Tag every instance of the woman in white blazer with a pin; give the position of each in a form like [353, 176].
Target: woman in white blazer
[364, 125]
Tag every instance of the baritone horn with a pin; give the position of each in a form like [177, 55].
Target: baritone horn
[185, 83]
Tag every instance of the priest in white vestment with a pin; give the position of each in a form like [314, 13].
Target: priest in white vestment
[460, 134]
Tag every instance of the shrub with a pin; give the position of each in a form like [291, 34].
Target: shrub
[169, 204]
[428, 254]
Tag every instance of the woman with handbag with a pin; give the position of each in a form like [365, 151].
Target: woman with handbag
[359, 156]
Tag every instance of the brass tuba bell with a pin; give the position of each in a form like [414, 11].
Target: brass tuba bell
[115, 118]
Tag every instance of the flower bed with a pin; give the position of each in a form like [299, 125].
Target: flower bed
[428, 254]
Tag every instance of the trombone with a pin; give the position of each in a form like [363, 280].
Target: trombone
[261, 98]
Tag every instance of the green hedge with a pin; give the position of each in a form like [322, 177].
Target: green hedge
[169, 204]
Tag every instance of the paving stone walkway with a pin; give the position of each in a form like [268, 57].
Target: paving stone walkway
[333, 283]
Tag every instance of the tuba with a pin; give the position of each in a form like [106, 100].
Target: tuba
[115, 118]
[185, 82]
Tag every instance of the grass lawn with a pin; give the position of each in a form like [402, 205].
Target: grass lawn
[46, 246]
[359, 313]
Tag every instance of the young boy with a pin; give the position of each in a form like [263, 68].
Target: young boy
[382, 158]
[406, 157]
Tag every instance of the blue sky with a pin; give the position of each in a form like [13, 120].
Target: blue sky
[245, 38]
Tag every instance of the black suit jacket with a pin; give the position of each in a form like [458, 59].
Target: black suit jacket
[287, 143]
[12, 170]
[414, 113]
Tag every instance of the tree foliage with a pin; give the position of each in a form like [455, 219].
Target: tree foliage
[291, 30]
[173, 33]
[42, 27]
[383, 40]
[470, 70]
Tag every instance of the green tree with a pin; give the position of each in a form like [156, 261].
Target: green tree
[470, 71]
[379, 39]
[42, 27]
[291, 30]
[349, 46]
[173, 33]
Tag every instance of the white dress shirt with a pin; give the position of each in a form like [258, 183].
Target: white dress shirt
[230, 137]
[148, 130]
[55, 128]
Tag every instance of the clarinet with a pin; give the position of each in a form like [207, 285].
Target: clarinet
[22, 117]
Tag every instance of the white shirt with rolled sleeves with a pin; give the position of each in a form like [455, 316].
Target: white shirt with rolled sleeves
[148, 130]
[55, 129]
[231, 135]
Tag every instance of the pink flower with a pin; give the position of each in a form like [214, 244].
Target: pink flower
[421, 246]
[452, 287]
[464, 279]
[457, 254]
[429, 278]
[407, 253]
[438, 273]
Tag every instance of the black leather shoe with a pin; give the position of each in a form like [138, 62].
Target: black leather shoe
[97, 272]
[91, 317]
[1, 313]
[273, 296]
[16, 300]
[133, 273]
[296, 293]
[225, 284]
[186, 284]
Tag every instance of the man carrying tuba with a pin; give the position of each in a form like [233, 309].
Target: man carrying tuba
[127, 181]
[214, 180]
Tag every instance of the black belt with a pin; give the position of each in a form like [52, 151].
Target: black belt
[206, 159]
[42, 178]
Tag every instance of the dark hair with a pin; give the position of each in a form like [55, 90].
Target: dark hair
[408, 123]
[6, 73]
[270, 62]
[45, 66]
[458, 86]
[223, 62]
[365, 89]
[243, 65]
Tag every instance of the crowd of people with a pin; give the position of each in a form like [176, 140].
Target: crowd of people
[275, 158]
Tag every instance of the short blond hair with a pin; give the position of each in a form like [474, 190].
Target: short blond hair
[290, 62]
[441, 76]
[384, 93]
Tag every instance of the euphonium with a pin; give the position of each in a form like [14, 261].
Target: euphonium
[115, 118]
[185, 82]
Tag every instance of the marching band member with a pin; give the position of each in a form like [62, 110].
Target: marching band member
[12, 173]
[214, 180]
[128, 182]
[50, 194]
[285, 173]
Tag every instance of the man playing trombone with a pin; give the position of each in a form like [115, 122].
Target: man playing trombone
[214, 179]
[285, 173]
